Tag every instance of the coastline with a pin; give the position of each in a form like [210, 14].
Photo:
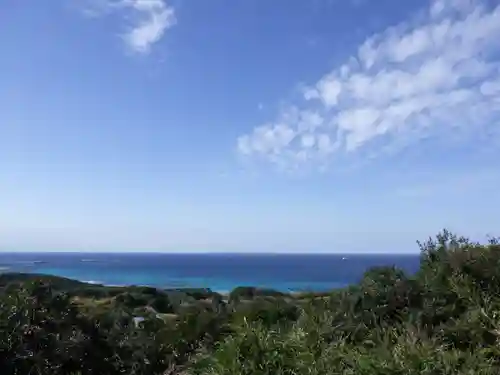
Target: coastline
[7, 277]
[223, 287]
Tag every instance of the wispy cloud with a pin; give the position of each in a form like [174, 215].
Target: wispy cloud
[435, 75]
[154, 17]
[150, 19]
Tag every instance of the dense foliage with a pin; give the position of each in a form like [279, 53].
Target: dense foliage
[445, 319]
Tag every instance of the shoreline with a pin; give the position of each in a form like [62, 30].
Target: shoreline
[223, 292]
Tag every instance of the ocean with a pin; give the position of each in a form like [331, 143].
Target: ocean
[220, 272]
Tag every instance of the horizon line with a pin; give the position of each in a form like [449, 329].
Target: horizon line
[201, 252]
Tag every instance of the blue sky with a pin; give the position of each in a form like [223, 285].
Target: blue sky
[218, 125]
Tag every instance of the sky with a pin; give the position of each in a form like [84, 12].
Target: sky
[247, 126]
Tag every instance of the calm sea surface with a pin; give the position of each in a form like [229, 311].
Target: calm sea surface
[220, 272]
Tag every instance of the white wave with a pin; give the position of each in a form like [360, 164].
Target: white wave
[95, 282]
[28, 262]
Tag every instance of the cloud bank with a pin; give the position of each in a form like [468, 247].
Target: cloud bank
[436, 75]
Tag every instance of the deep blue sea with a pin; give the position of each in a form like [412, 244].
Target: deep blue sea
[220, 272]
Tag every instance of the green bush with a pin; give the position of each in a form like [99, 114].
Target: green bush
[161, 303]
[248, 292]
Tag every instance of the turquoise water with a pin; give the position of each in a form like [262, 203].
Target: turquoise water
[221, 272]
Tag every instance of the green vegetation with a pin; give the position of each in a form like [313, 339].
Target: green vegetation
[443, 320]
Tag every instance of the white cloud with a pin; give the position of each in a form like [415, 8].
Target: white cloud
[154, 18]
[150, 19]
[424, 77]
[491, 88]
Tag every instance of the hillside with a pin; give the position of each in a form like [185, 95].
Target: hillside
[443, 320]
